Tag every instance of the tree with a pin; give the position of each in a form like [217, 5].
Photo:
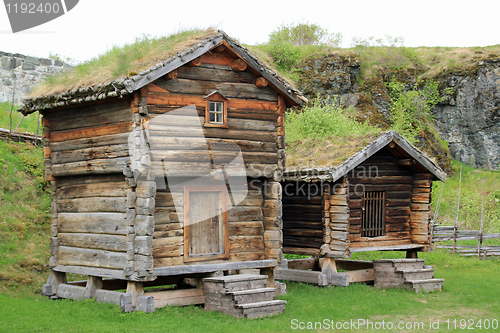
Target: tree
[285, 43]
[299, 34]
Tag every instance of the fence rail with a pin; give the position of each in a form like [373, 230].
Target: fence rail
[447, 233]
[17, 136]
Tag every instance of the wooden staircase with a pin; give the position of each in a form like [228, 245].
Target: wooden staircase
[243, 295]
[407, 273]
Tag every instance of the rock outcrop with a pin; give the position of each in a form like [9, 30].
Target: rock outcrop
[20, 73]
[469, 120]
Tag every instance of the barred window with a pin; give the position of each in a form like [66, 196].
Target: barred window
[373, 215]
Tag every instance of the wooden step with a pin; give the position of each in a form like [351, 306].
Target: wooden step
[254, 295]
[239, 297]
[416, 274]
[398, 264]
[261, 309]
[425, 285]
[231, 283]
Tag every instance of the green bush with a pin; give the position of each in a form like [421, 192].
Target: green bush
[411, 110]
[289, 44]
[323, 119]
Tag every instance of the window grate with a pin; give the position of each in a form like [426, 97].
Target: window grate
[373, 216]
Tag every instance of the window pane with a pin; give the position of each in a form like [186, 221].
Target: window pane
[219, 107]
[211, 116]
[219, 117]
[211, 106]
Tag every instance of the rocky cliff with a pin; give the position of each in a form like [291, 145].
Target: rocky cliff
[469, 120]
[20, 73]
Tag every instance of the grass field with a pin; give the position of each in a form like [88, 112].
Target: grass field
[471, 292]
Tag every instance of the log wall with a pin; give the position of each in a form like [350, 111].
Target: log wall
[336, 212]
[255, 120]
[95, 196]
[420, 216]
[303, 225]
[381, 173]
[185, 147]
[107, 213]
[248, 239]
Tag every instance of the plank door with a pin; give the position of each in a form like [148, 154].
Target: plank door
[206, 233]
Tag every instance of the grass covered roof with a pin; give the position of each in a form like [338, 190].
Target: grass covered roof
[123, 61]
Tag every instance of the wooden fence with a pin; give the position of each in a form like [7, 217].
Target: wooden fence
[448, 233]
[20, 137]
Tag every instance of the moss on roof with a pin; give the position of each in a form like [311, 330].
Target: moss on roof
[124, 61]
[325, 152]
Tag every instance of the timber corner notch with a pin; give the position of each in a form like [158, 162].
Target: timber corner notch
[124, 160]
[375, 200]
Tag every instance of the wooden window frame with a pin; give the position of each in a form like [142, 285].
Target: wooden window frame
[216, 97]
[225, 223]
[373, 219]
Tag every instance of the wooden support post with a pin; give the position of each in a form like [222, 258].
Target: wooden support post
[455, 229]
[269, 271]
[480, 236]
[134, 289]
[329, 267]
[54, 280]
[412, 254]
[93, 283]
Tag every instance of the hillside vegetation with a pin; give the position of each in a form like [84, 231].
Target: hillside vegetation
[24, 219]
[28, 124]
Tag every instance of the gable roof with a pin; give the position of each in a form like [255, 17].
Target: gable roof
[402, 149]
[126, 85]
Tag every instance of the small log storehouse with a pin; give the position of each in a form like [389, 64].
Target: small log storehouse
[168, 174]
[375, 199]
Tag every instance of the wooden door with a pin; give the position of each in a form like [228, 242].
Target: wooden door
[206, 226]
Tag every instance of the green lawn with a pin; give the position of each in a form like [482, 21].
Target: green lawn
[26, 124]
[471, 292]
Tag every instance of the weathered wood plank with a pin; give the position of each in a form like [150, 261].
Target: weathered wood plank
[297, 275]
[177, 297]
[245, 213]
[107, 189]
[92, 142]
[96, 223]
[228, 89]
[92, 204]
[91, 258]
[98, 166]
[93, 241]
[90, 132]
[301, 251]
[112, 151]
[206, 268]
[246, 243]
[215, 73]
[250, 228]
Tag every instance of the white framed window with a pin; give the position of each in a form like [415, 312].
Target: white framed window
[216, 112]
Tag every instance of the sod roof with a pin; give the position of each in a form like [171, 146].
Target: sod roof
[330, 159]
[121, 71]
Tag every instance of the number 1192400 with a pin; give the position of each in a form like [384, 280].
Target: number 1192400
[472, 324]
[32, 8]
